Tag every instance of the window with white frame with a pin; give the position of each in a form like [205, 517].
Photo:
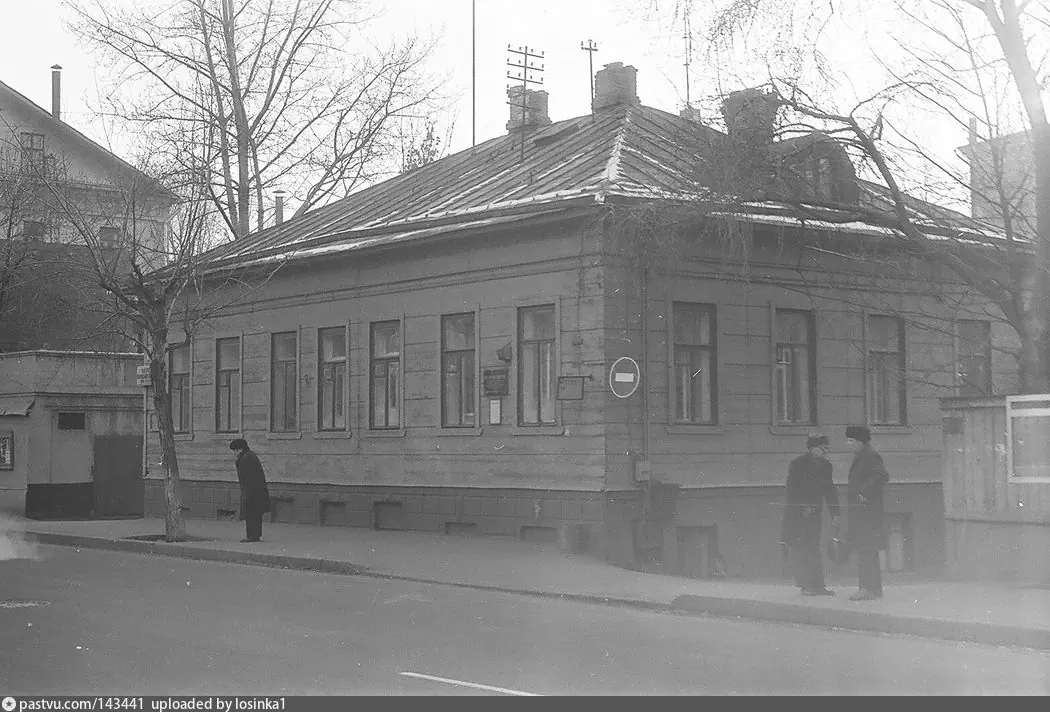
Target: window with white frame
[331, 378]
[385, 381]
[973, 367]
[695, 363]
[887, 401]
[1027, 444]
[284, 359]
[179, 388]
[228, 385]
[458, 376]
[795, 367]
[537, 336]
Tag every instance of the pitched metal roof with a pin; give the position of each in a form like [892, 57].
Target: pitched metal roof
[626, 150]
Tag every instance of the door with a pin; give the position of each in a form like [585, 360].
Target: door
[119, 490]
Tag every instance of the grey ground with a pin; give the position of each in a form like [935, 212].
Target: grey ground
[120, 624]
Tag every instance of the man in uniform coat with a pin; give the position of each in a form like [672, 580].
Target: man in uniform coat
[809, 485]
[255, 497]
[867, 478]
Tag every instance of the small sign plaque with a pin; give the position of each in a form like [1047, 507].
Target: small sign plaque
[496, 382]
[570, 387]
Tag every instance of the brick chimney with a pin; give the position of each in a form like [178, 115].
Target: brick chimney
[56, 91]
[535, 113]
[750, 116]
[279, 206]
[615, 84]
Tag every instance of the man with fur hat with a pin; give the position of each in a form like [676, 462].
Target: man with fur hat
[867, 479]
[255, 496]
[809, 485]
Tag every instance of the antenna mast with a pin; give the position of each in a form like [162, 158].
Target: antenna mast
[524, 66]
[688, 37]
[590, 48]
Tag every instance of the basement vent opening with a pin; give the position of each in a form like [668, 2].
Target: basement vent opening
[461, 528]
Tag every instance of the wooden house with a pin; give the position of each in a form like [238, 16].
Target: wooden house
[437, 352]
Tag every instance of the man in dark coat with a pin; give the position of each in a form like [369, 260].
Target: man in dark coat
[255, 496]
[809, 485]
[867, 478]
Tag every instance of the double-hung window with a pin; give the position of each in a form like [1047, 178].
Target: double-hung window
[32, 145]
[179, 388]
[795, 367]
[973, 368]
[536, 365]
[457, 371]
[695, 376]
[385, 382]
[887, 402]
[284, 359]
[228, 385]
[331, 378]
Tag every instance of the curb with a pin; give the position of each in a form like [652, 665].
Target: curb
[969, 632]
[871, 621]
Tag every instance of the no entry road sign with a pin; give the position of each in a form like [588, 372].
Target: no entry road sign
[624, 377]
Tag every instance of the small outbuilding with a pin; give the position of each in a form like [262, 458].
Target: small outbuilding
[71, 425]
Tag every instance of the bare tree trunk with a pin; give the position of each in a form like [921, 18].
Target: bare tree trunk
[240, 117]
[174, 522]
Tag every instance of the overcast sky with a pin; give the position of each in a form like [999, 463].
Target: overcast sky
[35, 39]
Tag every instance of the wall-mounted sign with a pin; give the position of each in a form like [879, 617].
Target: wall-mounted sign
[142, 376]
[570, 387]
[495, 382]
[7, 450]
[624, 377]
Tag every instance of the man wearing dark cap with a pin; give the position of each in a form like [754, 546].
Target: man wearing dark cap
[809, 485]
[255, 497]
[867, 478]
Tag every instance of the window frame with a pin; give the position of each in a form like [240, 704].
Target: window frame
[987, 356]
[372, 361]
[869, 372]
[711, 348]
[187, 389]
[775, 345]
[1023, 406]
[33, 157]
[519, 323]
[219, 371]
[344, 391]
[475, 374]
[295, 382]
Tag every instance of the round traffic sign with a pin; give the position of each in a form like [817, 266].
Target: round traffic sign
[624, 377]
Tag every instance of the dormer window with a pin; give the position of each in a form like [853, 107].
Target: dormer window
[820, 178]
[32, 151]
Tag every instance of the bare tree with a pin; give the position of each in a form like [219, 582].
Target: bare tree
[144, 257]
[972, 64]
[280, 93]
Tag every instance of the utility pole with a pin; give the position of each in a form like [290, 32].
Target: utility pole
[590, 48]
[525, 66]
[473, 76]
[688, 54]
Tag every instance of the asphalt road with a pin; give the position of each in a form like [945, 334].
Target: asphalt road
[93, 622]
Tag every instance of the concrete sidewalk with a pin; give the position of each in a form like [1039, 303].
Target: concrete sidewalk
[987, 612]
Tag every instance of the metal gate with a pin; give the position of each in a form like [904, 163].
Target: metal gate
[117, 475]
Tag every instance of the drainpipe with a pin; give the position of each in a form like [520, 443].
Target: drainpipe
[645, 363]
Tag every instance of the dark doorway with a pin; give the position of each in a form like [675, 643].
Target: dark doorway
[117, 475]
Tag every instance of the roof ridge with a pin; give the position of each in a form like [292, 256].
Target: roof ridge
[611, 174]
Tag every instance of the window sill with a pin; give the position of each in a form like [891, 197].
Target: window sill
[794, 429]
[876, 429]
[538, 430]
[453, 432]
[183, 436]
[1029, 481]
[392, 433]
[332, 434]
[284, 436]
[687, 429]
